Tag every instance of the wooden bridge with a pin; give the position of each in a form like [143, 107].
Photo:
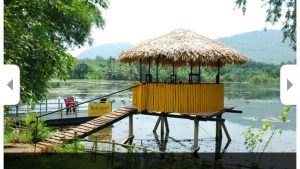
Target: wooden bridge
[91, 127]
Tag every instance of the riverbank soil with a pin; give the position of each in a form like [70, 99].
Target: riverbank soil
[20, 148]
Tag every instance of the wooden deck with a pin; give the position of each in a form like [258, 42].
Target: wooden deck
[88, 128]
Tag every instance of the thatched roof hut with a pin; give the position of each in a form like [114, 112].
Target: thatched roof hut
[182, 47]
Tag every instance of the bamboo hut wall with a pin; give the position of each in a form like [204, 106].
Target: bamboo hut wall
[180, 98]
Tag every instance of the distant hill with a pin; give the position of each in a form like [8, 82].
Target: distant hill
[106, 50]
[262, 46]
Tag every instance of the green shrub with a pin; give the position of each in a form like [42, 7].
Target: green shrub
[37, 129]
[27, 135]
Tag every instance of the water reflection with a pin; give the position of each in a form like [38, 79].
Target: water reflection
[104, 134]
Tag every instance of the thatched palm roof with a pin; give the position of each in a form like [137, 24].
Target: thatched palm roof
[182, 47]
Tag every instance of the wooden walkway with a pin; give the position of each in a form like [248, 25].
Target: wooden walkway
[88, 128]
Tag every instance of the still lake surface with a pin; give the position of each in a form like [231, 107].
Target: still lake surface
[258, 102]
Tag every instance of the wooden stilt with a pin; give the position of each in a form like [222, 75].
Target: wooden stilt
[218, 137]
[196, 147]
[164, 142]
[226, 131]
[167, 124]
[130, 135]
[156, 125]
[162, 127]
[130, 125]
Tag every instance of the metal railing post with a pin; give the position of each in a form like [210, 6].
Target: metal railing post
[61, 111]
[58, 103]
[76, 109]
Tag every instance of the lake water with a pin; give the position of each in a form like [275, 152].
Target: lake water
[258, 102]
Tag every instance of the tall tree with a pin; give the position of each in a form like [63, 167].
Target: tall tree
[37, 34]
[275, 11]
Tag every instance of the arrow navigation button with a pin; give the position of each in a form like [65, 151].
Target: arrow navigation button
[11, 84]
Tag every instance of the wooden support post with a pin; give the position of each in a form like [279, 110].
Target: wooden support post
[167, 124]
[226, 131]
[156, 125]
[130, 137]
[162, 127]
[162, 143]
[130, 125]
[218, 137]
[196, 136]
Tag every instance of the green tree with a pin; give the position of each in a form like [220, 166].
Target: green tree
[276, 11]
[37, 34]
[110, 71]
[80, 71]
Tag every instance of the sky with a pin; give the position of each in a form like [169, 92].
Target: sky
[133, 21]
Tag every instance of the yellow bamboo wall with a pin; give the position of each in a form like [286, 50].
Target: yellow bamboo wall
[180, 98]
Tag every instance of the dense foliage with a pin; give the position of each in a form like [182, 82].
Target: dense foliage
[112, 69]
[37, 34]
[25, 132]
[276, 10]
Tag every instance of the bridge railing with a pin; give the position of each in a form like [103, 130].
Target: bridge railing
[43, 108]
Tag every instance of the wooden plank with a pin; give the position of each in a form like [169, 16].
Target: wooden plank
[84, 127]
[113, 116]
[108, 119]
[99, 120]
[89, 125]
[126, 108]
[123, 111]
[119, 114]
[78, 130]
[95, 123]
[58, 135]
[69, 135]
[73, 131]
[56, 138]
[53, 140]
[62, 136]
[108, 116]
